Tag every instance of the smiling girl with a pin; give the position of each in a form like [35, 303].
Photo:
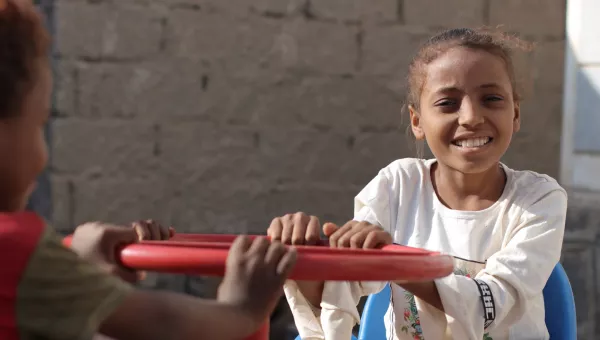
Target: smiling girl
[504, 227]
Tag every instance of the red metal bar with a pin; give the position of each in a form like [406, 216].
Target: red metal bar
[321, 264]
[198, 254]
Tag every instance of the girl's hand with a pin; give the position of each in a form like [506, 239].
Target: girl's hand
[356, 235]
[302, 229]
[150, 230]
[297, 229]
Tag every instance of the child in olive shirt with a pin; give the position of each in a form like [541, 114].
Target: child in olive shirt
[50, 292]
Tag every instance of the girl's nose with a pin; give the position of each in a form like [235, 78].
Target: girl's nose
[469, 115]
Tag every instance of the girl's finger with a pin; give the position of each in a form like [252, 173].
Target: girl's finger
[301, 221]
[358, 239]
[330, 228]
[275, 229]
[376, 239]
[334, 239]
[344, 240]
[312, 231]
[288, 229]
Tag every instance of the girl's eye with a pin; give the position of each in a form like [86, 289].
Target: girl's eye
[493, 98]
[447, 105]
[445, 102]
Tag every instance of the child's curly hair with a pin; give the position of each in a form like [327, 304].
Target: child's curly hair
[24, 42]
[492, 41]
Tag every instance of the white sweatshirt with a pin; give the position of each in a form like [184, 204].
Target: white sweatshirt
[503, 257]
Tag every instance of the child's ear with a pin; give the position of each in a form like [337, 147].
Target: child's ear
[415, 123]
[517, 118]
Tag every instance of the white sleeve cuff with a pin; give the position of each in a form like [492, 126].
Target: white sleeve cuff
[463, 306]
[307, 323]
[338, 313]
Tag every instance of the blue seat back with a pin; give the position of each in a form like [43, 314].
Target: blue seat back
[561, 319]
[372, 323]
[559, 303]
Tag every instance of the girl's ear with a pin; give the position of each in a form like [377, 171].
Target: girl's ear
[517, 119]
[415, 123]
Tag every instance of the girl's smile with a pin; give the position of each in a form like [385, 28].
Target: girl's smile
[472, 141]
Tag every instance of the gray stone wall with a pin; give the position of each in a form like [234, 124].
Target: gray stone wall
[217, 115]
[581, 259]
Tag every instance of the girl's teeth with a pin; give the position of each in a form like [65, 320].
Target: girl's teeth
[473, 142]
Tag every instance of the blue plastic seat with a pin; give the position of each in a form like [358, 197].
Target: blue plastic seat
[559, 303]
[561, 319]
[372, 325]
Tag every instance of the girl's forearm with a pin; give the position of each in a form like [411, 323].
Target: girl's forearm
[312, 291]
[426, 291]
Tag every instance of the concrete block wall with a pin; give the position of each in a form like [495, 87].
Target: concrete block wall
[218, 115]
[580, 161]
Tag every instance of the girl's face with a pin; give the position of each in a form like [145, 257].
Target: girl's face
[23, 151]
[467, 112]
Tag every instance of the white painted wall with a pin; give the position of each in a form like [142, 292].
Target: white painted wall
[580, 154]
